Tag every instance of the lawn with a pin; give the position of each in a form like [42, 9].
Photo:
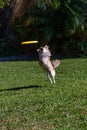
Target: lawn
[29, 102]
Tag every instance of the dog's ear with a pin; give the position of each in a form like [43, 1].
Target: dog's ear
[38, 50]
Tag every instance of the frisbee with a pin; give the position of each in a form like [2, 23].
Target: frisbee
[29, 42]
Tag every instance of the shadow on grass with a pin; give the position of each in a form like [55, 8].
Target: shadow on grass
[20, 88]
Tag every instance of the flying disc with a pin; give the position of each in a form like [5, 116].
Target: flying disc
[29, 42]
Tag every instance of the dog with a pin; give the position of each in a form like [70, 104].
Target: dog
[45, 62]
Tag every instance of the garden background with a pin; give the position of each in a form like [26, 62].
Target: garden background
[60, 23]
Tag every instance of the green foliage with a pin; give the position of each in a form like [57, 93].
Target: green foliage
[29, 102]
[49, 18]
[76, 48]
[6, 49]
[52, 4]
[83, 48]
[3, 47]
[4, 3]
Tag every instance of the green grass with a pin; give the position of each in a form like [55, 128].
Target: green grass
[29, 102]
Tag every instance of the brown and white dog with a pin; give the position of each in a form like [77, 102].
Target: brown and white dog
[45, 62]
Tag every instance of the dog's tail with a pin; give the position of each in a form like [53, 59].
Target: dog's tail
[56, 63]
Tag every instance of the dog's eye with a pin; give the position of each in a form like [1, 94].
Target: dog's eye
[41, 48]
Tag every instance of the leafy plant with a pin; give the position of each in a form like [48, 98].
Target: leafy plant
[3, 3]
[49, 18]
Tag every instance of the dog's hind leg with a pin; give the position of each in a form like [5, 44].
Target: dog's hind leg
[54, 80]
[51, 76]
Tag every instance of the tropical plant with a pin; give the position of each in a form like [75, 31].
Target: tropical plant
[49, 18]
[3, 3]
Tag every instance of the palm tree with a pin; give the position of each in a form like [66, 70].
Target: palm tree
[52, 18]
[4, 3]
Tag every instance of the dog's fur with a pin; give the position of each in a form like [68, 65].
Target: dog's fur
[46, 64]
